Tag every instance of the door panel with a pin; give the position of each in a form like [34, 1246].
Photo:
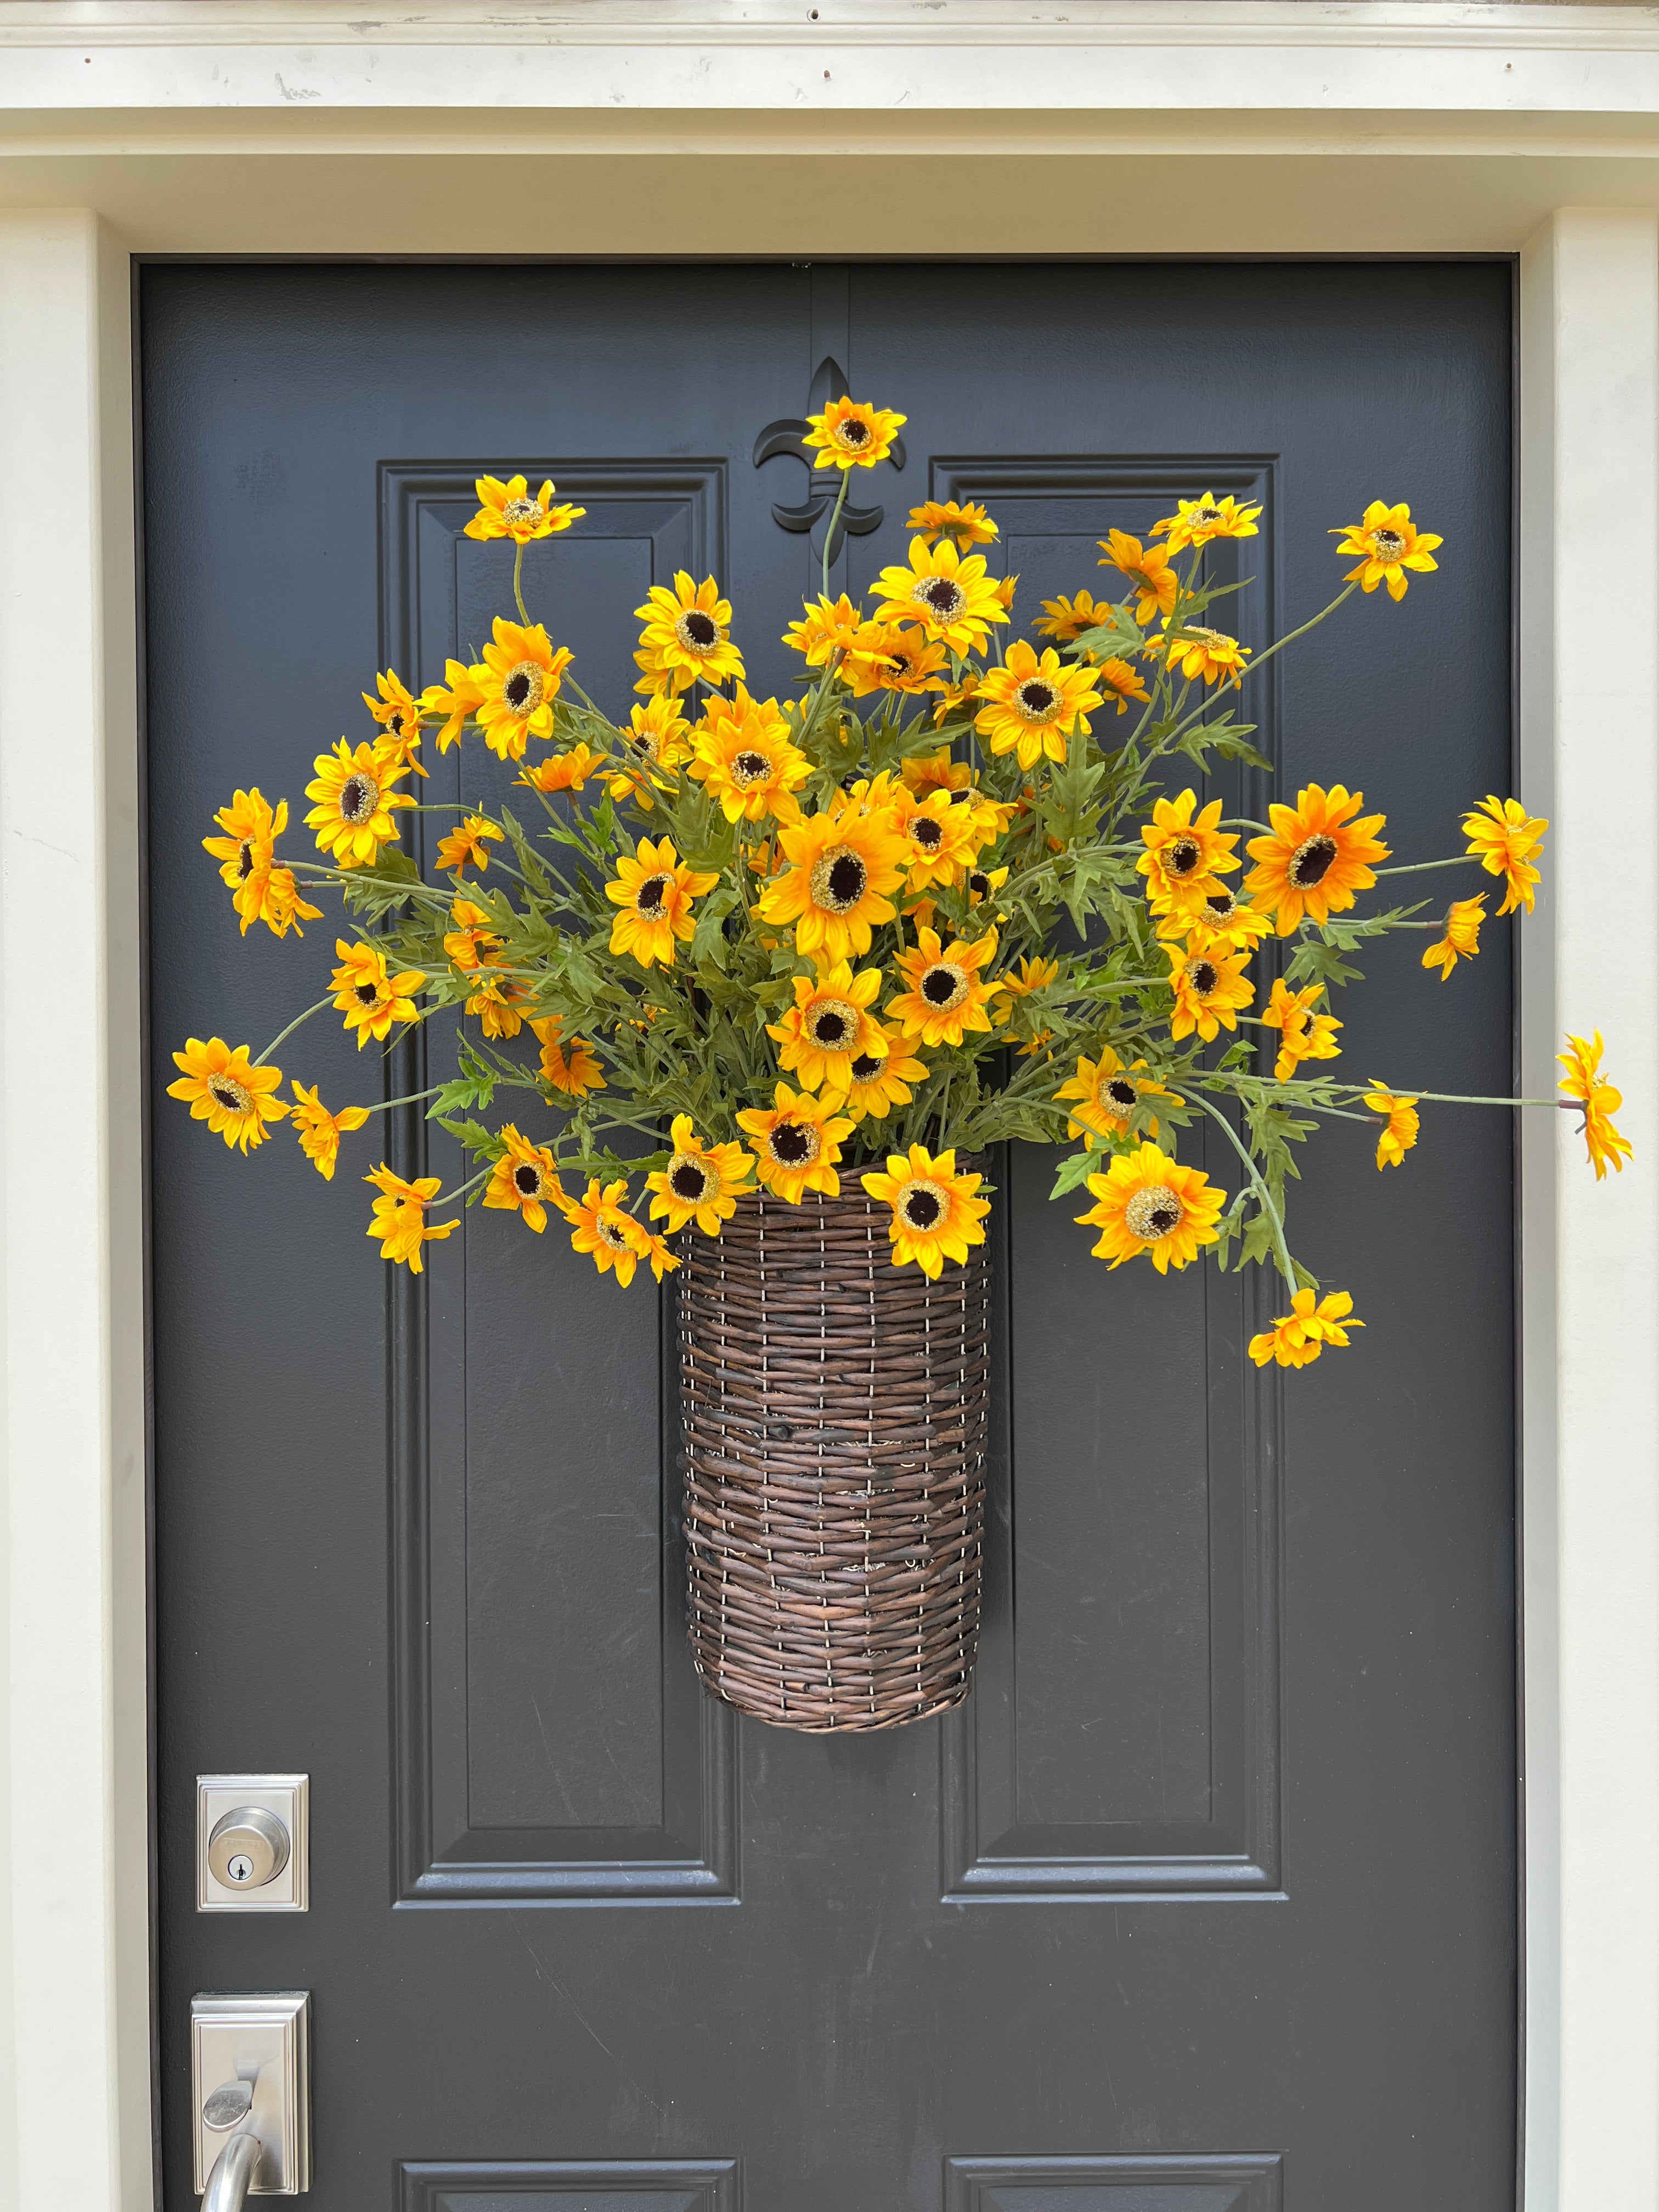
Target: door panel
[1206, 1901]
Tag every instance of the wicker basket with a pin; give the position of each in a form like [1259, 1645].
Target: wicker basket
[835, 1417]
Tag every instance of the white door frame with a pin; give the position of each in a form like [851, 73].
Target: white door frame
[650, 127]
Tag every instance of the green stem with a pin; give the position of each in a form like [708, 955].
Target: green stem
[413, 1099]
[1417, 867]
[292, 1026]
[450, 1197]
[835, 517]
[1264, 1196]
[517, 573]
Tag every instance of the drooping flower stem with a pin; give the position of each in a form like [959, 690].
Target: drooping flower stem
[1264, 1196]
[518, 574]
[835, 517]
[1417, 867]
[292, 1026]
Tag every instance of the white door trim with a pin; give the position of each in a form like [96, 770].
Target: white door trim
[234, 126]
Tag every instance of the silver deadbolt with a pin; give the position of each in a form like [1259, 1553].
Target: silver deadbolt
[247, 1848]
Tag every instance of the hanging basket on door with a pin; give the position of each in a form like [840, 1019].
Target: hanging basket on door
[834, 1412]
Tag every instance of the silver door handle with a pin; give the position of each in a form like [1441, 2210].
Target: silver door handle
[234, 2171]
[250, 2060]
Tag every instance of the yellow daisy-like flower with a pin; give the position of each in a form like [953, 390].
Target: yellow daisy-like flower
[1210, 988]
[452, 700]
[1186, 852]
[829, 1025]
[518, 680]
[398, 713]
[227, 1091]
[1034, 974]
[1148, 568]
[842, 866]
[936, 1215]
[355, 802]
[1195, 651]
[966, 521]
[1146, 1203]
[319, 1131]
[523, 1179]
[1502, 837]
[508, 510]
[797, 1142]
[1196, 521]
[655, 1249]
[1065, 618]
[943, 838]
[1399, 1124]
[743, 753]
[1305, 1034]
[1297, 1338]
[470, 944]
[261, 892]
[826, 628]
[947, 592]
[496, 1007]
[947, 996]
[954, 696]
[1033, 706]
[700, 1183]
[875, 1085]
[468, 846]
[368, 994]
[849, 434]
[1316, 857]
[1598, 1099]
[885, 657]
[1462, 938]
[563, 771]
[1119, 681]
[567, 1063]
[399, 1217]
[1221, 918]
[687, 634]
[659, 740]
[935, 771]
[1005, 587]
[609, 1235]
[1388, 542]
[1107, 1093]
[654, 888]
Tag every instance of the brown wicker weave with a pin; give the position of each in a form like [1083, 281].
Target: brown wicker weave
[835, 1414]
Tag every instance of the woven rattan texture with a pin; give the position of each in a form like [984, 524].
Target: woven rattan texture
[835, 1418]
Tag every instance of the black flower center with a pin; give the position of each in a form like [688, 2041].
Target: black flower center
[245, 860]
[688, 1181]
[698, 632]
[523, 688]
[1311, 861]
[927, 833]
[358, 796]
[794, 1143]
[1221, 905]
[978, 883]
[1202, 976]
[1121, 1093]
[1388, 543]
[944, 599]
[366, 994]
[521, 510]
[1152, 1213]
[650, 893]
[748, 767]
[611, 1233]
[230, 1094]
[943, 985]
[831, 1025]
[1181, 855]
[922, 1206]
[395, 721]
[528, 1180]
[838, 880]
[1207, 514]
[853, 433]
[865, 1068]
[1036, 700]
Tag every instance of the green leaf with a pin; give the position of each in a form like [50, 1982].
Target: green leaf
[477, 1090]
[477, 1140]
[1073, 1169]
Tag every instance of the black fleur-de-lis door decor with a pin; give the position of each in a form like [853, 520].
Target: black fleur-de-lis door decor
[787, 436]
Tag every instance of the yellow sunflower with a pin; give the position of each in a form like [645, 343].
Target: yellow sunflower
[399, 1217]
[398, 713]
[1065, 618]
[1033, 706]
[829, 1025]
[522, 1179]
[1148, 569]
[601, 1227]
[470, 944]
[798, 1141]
[841, 865]
[876, 1085]
[567, 1063]
[1107, 1093]
[355, 802]
[946, 996]
[1196, 521]
[687, 634]
[700, 1183]
[1297, 1338]
[1034, 974]
[1502, 837]
[509, 510]
[849, 434]
[1220, 919]
[1194, 651]
[261, 892]
[319, 1131]
[935, 771]
[936, 1216]
[368, 994]
[942, 837]
[1145, 1203]
[1305, 1034]
[743, 753]
[1316, 857]
[452, 700]
[1388, 542]
[966, 521]
[1399, 1125]
[947, 592]
[1210, 987]
[654, 888]
[518, 680]
[1462, 938]
[496, 1007]
[1119, 681]
[229, 1092]
[885, 657]
[825, 629]
[563, 771]
[468, 846]
[658, 740]
[1598, 1099]
[1185, 853]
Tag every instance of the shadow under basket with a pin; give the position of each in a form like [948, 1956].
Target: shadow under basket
[834, 1412]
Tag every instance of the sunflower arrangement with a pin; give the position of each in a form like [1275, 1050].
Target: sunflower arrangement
[945, 897]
